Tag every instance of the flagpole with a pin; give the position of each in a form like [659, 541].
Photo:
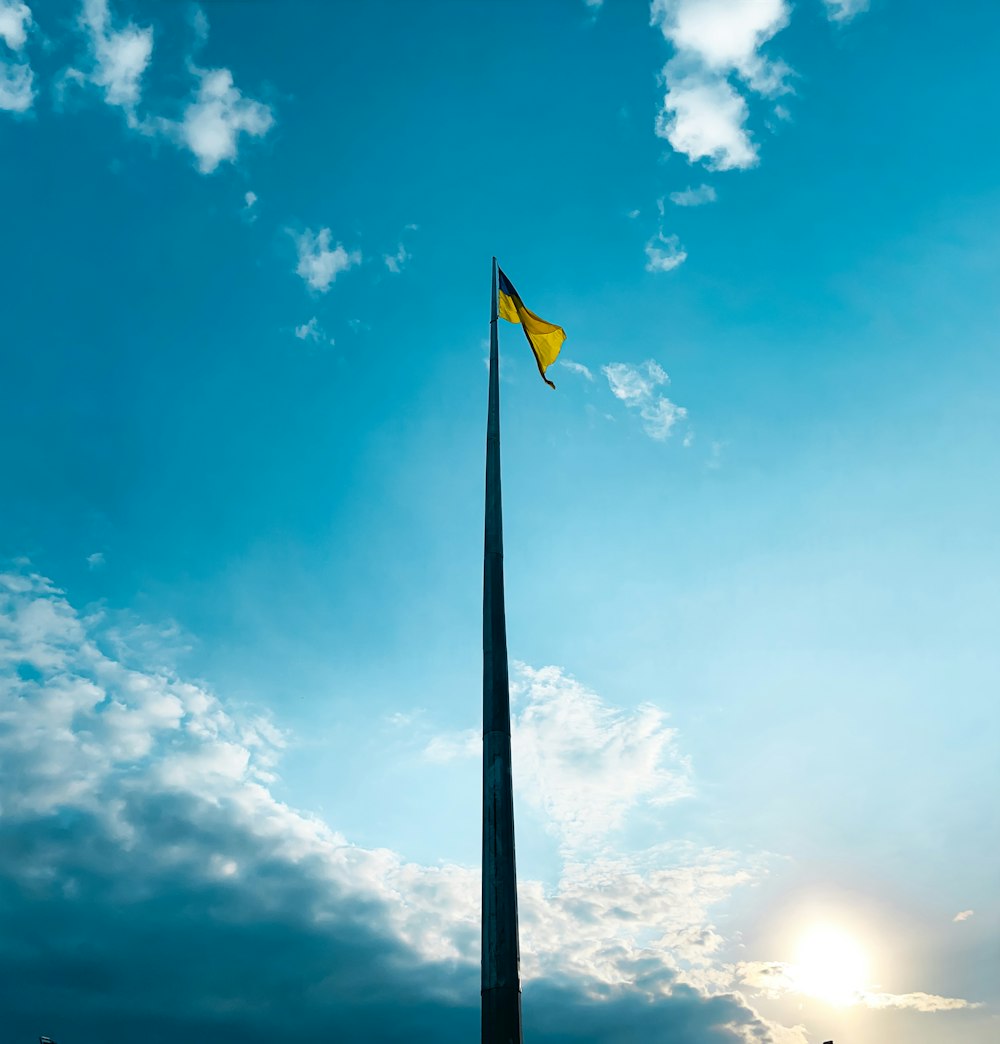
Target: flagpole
[501, 984]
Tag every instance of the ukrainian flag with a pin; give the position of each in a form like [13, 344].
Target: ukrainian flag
[545, 338]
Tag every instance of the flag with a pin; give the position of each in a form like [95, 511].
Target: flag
[545, 338]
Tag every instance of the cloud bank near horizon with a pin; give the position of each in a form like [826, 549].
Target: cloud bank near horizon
[150, 881]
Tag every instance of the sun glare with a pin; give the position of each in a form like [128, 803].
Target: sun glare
[831, 966]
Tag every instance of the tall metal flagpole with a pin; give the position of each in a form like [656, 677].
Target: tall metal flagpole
[501, 983]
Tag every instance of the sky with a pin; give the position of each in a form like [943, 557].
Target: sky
[751, 546]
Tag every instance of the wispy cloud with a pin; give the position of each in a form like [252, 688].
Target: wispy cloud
[637, 387]
[716, 43]
[395, 262]
[213, 120]
[249, 209]
[450, 746]
[693, 197]
[402, 719]
[96, 560]
[17, 92]
[218, 115]
[779, 978]
[927, 1002]
[963, 915]
[319, 264]
[664, 253]
[582, 764]
[575, 367]
[844, 10]
[15, 21]
[119, 56]
[312, 331]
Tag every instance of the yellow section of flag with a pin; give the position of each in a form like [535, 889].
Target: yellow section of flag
[545, 338]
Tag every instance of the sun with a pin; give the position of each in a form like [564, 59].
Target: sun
[831, 966]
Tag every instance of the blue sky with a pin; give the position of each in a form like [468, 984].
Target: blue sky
[751, 541]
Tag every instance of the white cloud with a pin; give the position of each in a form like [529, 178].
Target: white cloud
[249, 211]
[694, 197]
[844, 10]
[157, 796]
[211, 123]
[452, 745]
[575, 367]
[777, 978]
[395, 262]
[309, 330]
[703, 115]
[582, 764]
[632, 214]
[633, 919]
[15, 21]
[704, 118]
[585, 765]
[83, 733]
[318, 265]
[312, 331]
[214, 121]
[199, 25]
[962, 915]
[17, 92]
[637, 386]
[119, 56]
[660, 416]
[927, 1002]
[780, 1034]
[664, 253]
[723, 35]
[96, 560]
[402, 719]
[771, 978]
